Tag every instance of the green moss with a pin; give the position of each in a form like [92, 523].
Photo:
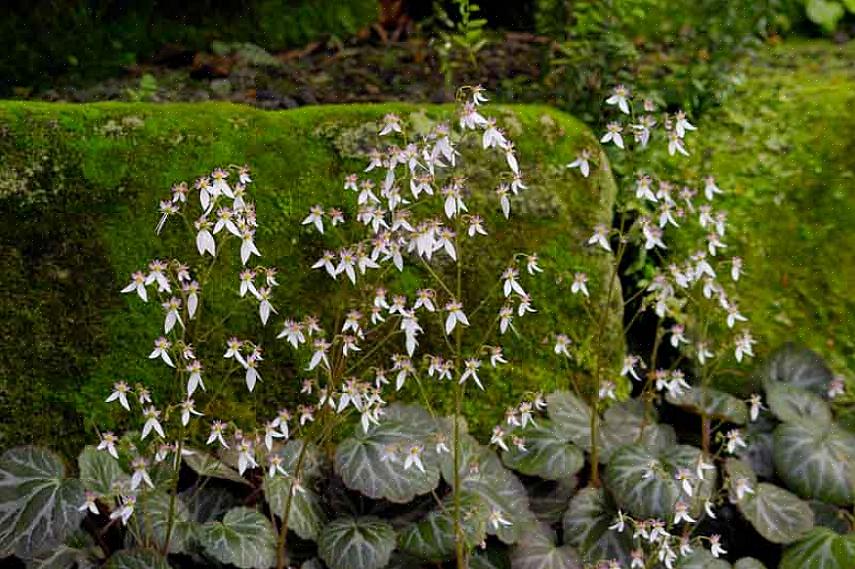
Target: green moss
[782, 148]
[88, 212]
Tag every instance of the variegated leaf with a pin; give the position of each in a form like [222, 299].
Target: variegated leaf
[821, 549]
[137, 559]
[373, 462]
[537, 550]
[798, 367]
[153, 511]
[356, 543]
[204, 464]
[99, 472]
[815, 462]
[701, 559]
[748, 563]
[586, 527]
[712, 402]
[796, 405]
[244, 539]
[38, 505]
[306, 516]
[777, 515]
[571, 416]
[548, 499]
[432, 537]
[548, 454]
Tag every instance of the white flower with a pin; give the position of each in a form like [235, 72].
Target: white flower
[735, 268]
[744, 346]
[108, 443]
[708, 509]
[172, 306]
[506, 316]
[321, 347]
[475, 226]
[194, 368]
[620, 523]
[498, 438]
[620, 97]
[391, 123]
[629, 364]
[414, 458]
[613, 135]
[703, 352]
[315, 217]
[756, 404]
[637, 562]
[424, 299]
[191, 289]
[681, 513]
[677, 335]
[531, 264]
[496, 356]
[126, 510]
[326, 262]
[561, 344]
[836, 387]
[471, 370]
[252, 375]
[233, 346]
[644, 189]
[265, 307]
[470, 118]
[217, 430]
[497, 520]
[510, 283]
[504, 201]
[138, 283]
[151, 416]
[579, 284]
[684, 477]
[89, 503]
[492, 136]
[161, 350]
[187, 409]
[710, 189]
[478, 95]
[247, 247]
[204, 240]
[681, 124]
[582, 162]
[741, 487]
[607, 390]
[275, 466]
[347, 261]
[675, 144]
[140, 474]
[701, 467]
[600, 237]
[455, 316]
[293, 333]
[246, 456]
[734, 441]
[715, 547]
[733, 316]
[120, 392]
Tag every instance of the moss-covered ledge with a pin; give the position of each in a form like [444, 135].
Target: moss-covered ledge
[79, 187]
[783, 148]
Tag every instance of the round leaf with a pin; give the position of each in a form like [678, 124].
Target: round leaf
[776, 514]
[373, 462]
[548, 455]
[586, 527]
[716, 404]
[816, 462]
[306, 516]
[356, 543]
[38, 505]
[821, 549]
[571, 416]
[153, 511]
[537, 550]
[798, 367]
[432, 537]
[244, 539]
[99, 472]
[796, 405]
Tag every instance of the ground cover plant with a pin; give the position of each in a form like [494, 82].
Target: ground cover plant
[633, 463]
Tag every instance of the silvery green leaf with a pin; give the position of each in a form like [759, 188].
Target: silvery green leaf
[821, 549]
[736, 468]
[798, 367]
[244, 539]
[586, 527]
[209, 503]
[78, 551]
[796, 405]
[571, 417]
[653, 495]
[432, 537]
[38, 505]
[748, 563]
[759, 454]
[136, 559]
[537, 550]
[549, 499]
[716, 404]
[483, 476]
[373, 462]
[701, 559]
[306, 516]
[490, 558]
[816, 462]
[831, 517]
[205, 464]
[153, 512]
[777, 515]
[99, 472]
[548, 454]
[356, 543]
[619, 428]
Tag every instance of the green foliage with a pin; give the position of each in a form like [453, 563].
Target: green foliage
[244, 539]
[828, 13]
[537, 550]
[356, 543]
[821, 549]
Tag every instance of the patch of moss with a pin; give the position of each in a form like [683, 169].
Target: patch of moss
[782, 149]
[89, 211]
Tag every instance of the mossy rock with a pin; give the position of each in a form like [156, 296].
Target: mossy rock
[79, 187]
[782, 149]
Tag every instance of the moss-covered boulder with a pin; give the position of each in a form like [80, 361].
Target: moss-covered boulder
[79, 188]
[782, 149]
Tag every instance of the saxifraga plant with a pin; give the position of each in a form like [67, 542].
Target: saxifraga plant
[429, 491]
